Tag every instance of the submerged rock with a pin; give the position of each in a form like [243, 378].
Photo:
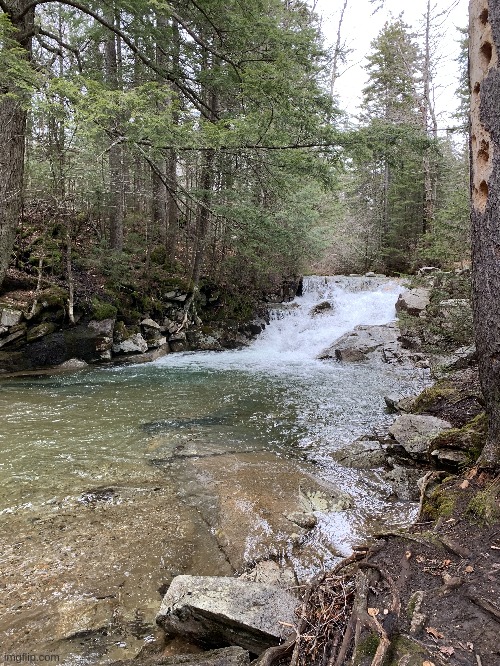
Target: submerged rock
[321, 308]
[361, 454]
[218, 610]
[230, 656]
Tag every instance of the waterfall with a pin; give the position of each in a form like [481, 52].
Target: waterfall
[296, 335]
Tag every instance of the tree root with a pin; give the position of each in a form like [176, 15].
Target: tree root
[333, 615]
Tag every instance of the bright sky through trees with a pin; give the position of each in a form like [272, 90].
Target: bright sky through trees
[361, 25]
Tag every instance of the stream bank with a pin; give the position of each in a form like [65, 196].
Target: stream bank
[105, 618]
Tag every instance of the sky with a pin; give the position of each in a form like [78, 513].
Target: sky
[361, 26]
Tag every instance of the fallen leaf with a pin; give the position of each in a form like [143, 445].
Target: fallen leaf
[428, 663]
[420, 559]
[469, 569]
[373, 612]
[464, 484]
[447, 651]
[447, 563]
[434, 632]
[470, 646]
[408, 554]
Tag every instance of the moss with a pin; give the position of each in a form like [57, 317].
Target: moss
[366, 647]
[102, 310]
[470, 438]
[405, 650]
[432, 396]
[440, 504]
[485, 505]
[55, 297]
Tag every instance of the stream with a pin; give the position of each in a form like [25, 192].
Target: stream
[115, 479]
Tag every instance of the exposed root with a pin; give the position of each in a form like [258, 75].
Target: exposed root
[335, 617]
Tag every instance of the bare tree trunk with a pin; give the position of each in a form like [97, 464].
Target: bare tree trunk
[337, 52]
[430, 128]
[485, 210]
[115, 153]
[13, 124]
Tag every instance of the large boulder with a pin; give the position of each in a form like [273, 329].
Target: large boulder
[220, 610]
[413, 434]
[366, 342]
[413, 301]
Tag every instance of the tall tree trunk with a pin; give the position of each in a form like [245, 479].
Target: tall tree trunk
[430, 128]
[485, 210]
[13, 117]
[115, 153]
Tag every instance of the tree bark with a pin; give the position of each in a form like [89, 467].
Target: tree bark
[13, 123]
[485, 210]
[115, 153]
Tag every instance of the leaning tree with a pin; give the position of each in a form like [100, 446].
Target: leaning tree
[485, 208]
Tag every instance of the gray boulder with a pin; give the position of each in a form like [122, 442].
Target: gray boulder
[414, 434]
[10, 317]
[361, 454]
[217, 610]
[413, 301]
[365, 342]
[134, 344]
[103, 327]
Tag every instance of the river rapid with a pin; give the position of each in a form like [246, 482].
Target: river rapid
[113, 480]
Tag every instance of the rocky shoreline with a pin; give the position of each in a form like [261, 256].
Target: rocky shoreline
[211, 620]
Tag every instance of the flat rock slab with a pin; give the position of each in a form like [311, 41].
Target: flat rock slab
[215, 610]
[360, 344]
[230, 656]
[414, 433]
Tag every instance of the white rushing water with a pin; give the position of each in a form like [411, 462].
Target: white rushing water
[295, 336]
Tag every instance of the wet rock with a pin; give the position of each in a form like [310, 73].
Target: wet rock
[305, 520]
[83, 616]
[217, 610]
[203, 341]
[230, 656]
[3, 330]
[178, 342]
[413, 301]
[321, 308]
[271, 573]
[247, 513]
[132, 345]
[366, 342]
[361, 454]
[370, 274]
[40, 331]
[10, 317]
[428, 270]
[414, 433]
[403, 481]
[73, 364]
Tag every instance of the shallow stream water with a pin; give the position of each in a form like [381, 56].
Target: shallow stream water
[68, 442]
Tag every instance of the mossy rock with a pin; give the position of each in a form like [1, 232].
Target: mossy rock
[40, 331]
[485, 505]
[431, 398]
[471, 438]
[441, 504]
[53, 298]
[102, 310]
